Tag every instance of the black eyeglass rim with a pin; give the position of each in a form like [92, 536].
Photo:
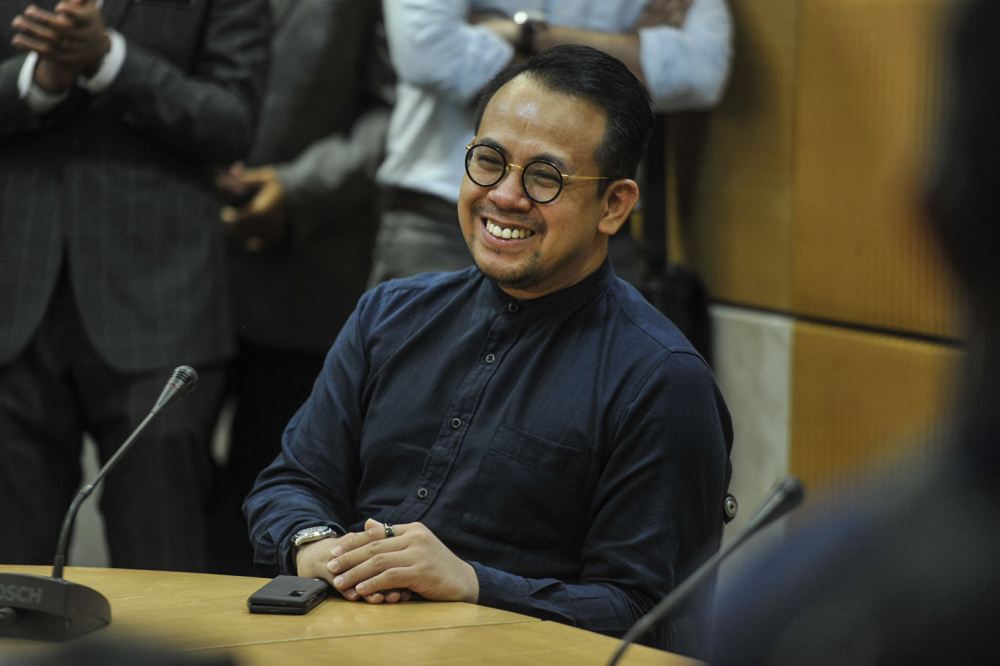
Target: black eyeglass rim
[524, 170]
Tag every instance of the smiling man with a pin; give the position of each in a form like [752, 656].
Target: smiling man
[529, 433]
[518, 234]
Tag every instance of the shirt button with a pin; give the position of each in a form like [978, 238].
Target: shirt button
[490, 358]
[513, 307]
[456, 423]
[422, 493]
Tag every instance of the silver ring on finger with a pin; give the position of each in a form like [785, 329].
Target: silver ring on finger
[389, 531]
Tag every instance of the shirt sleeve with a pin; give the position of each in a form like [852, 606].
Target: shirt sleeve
[334, 173]
[432, 46]
[40, 101]
[656, 513]
[688, 67]
[314, 479]
[110, 65]
[593, 606]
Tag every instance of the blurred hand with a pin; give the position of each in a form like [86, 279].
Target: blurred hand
[40, 31]
[70, 41]
[414, 559]
[262, 220]
[86, 43]
[52, 76]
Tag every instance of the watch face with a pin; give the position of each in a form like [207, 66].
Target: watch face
[311, 534]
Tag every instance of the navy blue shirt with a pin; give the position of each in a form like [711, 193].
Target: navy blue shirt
[573, 448]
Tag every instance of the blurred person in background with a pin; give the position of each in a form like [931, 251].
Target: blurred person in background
[302, 217]
[112, 117]
[444, 53]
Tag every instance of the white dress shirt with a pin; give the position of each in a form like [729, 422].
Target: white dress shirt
[443, 62]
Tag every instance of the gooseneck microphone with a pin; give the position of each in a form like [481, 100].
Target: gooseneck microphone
[52, 608]
[182, 381]
[785, 496]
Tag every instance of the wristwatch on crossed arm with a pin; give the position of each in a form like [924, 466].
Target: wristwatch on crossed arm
[529, 24]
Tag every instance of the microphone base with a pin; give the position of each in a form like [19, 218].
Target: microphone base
[50, 609]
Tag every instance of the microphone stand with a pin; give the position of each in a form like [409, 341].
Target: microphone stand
[786, 495]
[50, 607]
[84, 493]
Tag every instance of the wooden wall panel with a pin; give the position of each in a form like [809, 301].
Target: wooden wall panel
[798, 196]
[735, 164]
[799, 192]
[858, 397]
[868, 74]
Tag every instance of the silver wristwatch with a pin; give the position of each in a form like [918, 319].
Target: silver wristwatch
[309, 534]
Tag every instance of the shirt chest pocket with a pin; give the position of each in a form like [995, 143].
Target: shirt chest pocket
[529, 491]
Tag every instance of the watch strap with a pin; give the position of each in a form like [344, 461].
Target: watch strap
[529, 25]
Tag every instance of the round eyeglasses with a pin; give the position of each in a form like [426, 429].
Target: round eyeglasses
[486, 166]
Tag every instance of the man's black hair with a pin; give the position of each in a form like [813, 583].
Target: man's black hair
[964, 193]
[604, 81]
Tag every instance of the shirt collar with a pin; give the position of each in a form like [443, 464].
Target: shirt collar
[566, 299]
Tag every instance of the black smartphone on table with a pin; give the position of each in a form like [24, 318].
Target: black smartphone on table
[288, 595]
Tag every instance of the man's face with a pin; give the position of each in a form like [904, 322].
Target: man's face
[561, 242]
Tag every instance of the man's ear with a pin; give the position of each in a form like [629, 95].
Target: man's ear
[619, 200]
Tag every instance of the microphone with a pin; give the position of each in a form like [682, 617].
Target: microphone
[182, 381]
[52, 608]
[785, 496]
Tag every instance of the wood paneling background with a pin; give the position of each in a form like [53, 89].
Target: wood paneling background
[867, 82]
[800, 199]
[860, 398]
[736, 164]
[800, 192]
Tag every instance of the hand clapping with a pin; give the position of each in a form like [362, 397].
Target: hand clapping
[70, 41]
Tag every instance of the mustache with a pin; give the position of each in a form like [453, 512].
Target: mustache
[515, 217]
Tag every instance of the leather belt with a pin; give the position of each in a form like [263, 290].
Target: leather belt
[421, 203]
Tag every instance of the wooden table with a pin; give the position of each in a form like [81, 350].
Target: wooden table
[204, 612]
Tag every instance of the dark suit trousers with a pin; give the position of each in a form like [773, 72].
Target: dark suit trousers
[153, 502]
[269, 385]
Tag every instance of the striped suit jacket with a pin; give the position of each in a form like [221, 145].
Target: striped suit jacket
[119, 184]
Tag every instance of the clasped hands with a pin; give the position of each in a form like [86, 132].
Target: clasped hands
[258, 210]
[367, 565]
[70, 41]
